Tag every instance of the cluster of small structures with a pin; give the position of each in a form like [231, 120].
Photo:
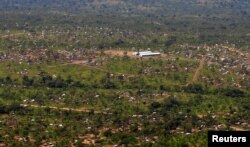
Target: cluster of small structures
[46, 56]
[221, 59]
[218, 59]
[51, 37]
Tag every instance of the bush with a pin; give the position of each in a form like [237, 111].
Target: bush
[234, 93]
[195, 88]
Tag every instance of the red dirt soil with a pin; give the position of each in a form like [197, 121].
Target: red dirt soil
[119, 53]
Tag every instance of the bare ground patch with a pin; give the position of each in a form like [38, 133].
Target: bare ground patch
[119, 53]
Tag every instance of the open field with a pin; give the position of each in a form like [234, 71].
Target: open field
[119, 53]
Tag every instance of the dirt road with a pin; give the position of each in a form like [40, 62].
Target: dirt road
[237, 128]
[198, 70]
[65, 109]
[12, 35]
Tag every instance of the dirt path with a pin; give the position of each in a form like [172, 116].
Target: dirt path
[76, 62]
[198, 70]
[65, 109]
[236, 128]
[11, 35]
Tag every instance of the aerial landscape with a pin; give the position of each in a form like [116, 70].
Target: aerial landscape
[123, 72]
